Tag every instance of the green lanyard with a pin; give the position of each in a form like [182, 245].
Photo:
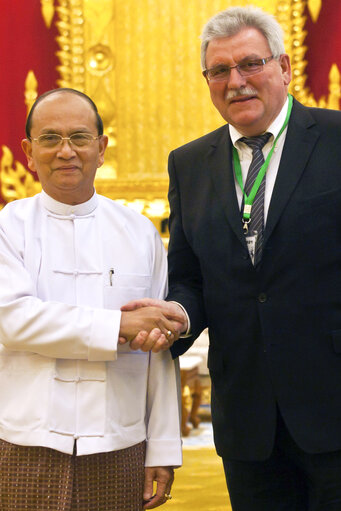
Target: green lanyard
[248, 199]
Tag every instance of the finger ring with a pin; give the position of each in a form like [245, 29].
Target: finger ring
[169, 333]
[168, 497]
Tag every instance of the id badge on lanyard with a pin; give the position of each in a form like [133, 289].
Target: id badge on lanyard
[251, 238]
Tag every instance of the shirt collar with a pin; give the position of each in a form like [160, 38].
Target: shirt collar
[60, 208]
[274, 127]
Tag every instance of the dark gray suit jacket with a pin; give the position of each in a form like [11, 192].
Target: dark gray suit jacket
[275, 331]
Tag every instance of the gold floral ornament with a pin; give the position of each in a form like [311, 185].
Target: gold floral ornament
[99, 59]
[31, 90]
[334, 88]
[16, 181]
[314, 7]
[47, 9]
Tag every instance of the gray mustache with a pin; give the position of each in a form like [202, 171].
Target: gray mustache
[244, 91]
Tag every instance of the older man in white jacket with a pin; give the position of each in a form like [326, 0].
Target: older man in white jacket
[85, 422]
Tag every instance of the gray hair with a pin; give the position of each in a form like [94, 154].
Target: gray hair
[230, 21]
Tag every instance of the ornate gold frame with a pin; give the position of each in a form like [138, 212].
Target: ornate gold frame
[140, 62]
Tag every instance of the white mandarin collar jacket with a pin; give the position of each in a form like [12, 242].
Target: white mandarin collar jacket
[64, 273]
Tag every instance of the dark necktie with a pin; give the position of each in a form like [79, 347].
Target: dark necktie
[257, 213]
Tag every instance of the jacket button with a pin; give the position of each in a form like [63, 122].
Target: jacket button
[262, 297]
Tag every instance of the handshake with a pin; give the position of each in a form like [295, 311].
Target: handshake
[151, 325]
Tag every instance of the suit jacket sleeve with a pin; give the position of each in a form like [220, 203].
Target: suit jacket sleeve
[185, 279]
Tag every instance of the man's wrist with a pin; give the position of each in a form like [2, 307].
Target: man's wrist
[186, 333]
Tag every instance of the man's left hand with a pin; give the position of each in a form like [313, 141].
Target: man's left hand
[164, 477]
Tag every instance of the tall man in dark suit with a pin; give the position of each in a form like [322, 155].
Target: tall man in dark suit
[260, 266]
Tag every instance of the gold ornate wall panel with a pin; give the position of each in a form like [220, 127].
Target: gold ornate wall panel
[162, 100]
[140, 62]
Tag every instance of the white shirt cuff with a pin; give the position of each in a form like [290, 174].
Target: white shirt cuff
[188, 331]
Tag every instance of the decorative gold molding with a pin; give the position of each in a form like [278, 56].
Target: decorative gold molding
[291, 17]
[71, 41]
[148, 197]
[87, 43]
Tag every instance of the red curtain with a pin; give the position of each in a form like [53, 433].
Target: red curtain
[324, 46]
[26, 43]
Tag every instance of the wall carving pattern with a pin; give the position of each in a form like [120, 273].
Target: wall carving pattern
[140, 62]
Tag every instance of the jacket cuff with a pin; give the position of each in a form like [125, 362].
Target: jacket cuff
[164, 453]
[104, 335]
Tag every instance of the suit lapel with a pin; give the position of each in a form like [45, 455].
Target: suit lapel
[301, 138]
[219, 164]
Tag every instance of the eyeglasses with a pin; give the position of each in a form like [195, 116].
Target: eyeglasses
[246, 68]
[51, 140]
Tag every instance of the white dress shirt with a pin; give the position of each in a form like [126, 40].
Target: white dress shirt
[64, 273]
[245, 156]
